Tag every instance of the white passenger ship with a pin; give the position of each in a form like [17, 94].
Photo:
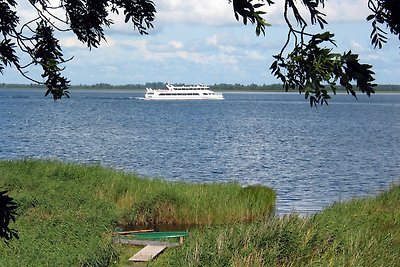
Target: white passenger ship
[190, 92]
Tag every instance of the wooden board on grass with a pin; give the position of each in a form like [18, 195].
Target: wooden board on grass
[147, 253]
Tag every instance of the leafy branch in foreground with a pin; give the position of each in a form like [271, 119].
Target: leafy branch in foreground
[309, 68]
[386, 12]
[47, 52]
[251, 12]
[85, 18]
[312, 65]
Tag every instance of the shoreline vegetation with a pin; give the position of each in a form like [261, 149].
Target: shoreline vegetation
[222, 87]
[360, 232]
[67, 214]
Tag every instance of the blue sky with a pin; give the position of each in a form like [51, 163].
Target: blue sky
[201, 42]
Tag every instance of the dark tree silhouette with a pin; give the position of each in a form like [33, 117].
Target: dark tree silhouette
[7, 214]
[86, 18]
[312, 65]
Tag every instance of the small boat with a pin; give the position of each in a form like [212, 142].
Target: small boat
[144, 238]
[149, 235]
[188, 92]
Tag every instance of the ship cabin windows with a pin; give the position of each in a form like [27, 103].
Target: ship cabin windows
[177, 94]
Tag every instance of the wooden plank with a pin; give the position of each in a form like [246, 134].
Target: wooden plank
[135, 242]
[147, 253]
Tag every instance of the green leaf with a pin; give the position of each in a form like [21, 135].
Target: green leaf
[370, 17]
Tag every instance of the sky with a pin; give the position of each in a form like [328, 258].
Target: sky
[201, 42]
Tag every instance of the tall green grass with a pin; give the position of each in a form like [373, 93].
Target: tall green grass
[67, 212]
[363, 232]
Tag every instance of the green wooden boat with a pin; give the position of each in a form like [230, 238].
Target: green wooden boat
[155, 235]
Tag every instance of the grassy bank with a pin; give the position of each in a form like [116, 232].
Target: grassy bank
[364, 232]
[67, 211]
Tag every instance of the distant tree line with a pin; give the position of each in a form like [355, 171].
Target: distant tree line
[249, 87]
[279, 87]
[19, 85]
[226, 87]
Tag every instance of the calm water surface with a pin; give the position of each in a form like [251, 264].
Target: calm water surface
[311, 157]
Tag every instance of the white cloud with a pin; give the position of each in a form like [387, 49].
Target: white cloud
[212, 40]
[335, 11]
[71, 41]
[211, 59]
[206, 12]
[161, 51]
[220, 12]
[176, 44]
[367, 53]
[350, 10]
[255, 55]
[356, 46]
[222, 46]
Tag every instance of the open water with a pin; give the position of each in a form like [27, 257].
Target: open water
[311, 157]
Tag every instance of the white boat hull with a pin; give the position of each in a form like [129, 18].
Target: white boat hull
[181, 98]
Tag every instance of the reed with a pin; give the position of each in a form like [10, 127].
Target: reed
[361, 232]
[67, 212]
